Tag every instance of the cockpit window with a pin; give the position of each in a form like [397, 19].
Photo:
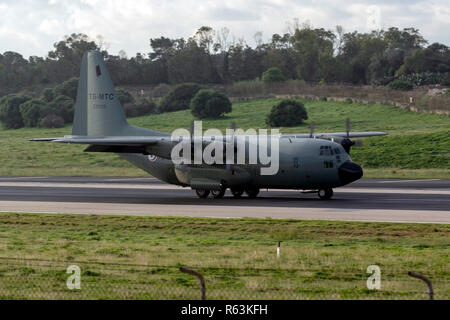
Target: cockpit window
[326, 151]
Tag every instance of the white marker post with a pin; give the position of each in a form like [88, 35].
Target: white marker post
[278, 249]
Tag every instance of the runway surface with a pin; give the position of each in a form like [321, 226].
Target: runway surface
[422, 201]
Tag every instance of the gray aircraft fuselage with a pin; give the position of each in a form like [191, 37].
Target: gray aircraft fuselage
[304, 163]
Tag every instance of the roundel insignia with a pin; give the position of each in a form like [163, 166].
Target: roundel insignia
[152, 157]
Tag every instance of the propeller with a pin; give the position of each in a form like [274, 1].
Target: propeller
[346, 143]
[312, 125]
[229, 166]
[347, 127]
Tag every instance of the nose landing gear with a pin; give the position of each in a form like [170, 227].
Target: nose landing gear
[325, 194]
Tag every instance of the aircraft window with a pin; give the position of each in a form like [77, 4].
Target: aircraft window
[328, 164]
[296, 163]
[336, 150]
[325, 151]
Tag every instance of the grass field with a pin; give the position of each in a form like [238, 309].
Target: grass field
[418, 144]
[138, 257]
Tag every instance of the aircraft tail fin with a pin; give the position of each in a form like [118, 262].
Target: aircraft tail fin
[98, 111]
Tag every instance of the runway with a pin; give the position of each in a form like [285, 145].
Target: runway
[382, 200]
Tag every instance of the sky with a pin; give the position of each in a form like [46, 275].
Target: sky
[31, 27]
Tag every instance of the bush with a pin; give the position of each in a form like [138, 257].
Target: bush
[160, 90]
[52, 121]
[124, 96]
[68, 88]
[136, 110]
[246, 88]
[48, 94]
[209, 104]
[400, 85]
[62, 106]
[287, 113]
[31, 112]
[273, 74]
[10, 114]
[179, 97]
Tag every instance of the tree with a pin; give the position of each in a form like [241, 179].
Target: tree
[273, 75]
[209, 104]
[287, 113]
[48, 94]
[124, 96]
[62, 106]
[68, 88]
[10, 114]
[68, 54]
[179, 97]
[31, 112]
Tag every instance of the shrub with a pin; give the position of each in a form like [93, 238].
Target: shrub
[52, 121]
[31, 112]
[62, 106]
[68, 88]
[48, 94]
[287, 113]
[160, 90]
[124, 96]
[273, 74]
[145, 107]
[209, 104]
[10, 114]
[400, 85]
[179, 97]
[246, 88]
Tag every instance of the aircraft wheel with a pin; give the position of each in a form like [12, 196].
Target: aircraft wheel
[202, 193]
[252, 192]
[218, 194]
[325, 194]
[237, 192]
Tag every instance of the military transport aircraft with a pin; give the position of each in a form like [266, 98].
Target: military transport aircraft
[309, 162]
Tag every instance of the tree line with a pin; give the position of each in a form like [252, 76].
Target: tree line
[214, 56]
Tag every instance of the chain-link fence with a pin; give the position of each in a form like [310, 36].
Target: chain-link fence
[45, 279]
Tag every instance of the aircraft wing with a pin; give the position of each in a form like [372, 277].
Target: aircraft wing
[340, 134]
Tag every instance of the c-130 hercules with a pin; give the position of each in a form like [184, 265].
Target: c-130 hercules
[309, 162]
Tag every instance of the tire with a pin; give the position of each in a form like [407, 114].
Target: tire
[218, 194]
[237, 192]
[325, 194]
[252, 192]
[202, 193]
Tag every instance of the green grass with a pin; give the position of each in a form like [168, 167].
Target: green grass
[138, 257]
[417, 144]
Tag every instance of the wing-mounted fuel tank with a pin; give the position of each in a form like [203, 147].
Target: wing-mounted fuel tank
[209, 177]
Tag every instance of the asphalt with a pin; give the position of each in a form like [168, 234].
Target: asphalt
[422, 201]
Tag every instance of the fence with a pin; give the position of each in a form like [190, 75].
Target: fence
[45, 279]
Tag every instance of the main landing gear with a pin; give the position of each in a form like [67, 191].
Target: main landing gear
[325, 194]
[237, 192]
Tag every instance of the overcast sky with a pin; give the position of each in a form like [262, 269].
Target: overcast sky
[30, 27]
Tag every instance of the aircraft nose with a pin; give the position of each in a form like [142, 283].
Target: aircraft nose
[349, 172]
